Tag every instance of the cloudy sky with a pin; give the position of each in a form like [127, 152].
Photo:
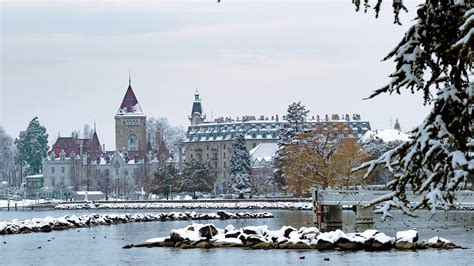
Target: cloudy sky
[67, 61]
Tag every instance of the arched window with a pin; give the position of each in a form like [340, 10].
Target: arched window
[133, 143]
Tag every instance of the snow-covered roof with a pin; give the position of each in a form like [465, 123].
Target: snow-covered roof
[259, 129]
[386, 135]
[264, 151]
[130, 105]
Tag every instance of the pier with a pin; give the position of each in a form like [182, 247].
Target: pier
[328, 205]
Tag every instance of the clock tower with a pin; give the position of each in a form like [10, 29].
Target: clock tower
[130, 124]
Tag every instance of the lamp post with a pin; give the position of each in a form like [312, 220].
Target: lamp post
[169, 192]
[107, 188]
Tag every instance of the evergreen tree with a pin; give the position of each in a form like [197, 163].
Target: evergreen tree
[32, 146]
[296, 123]
[436, 58]
[164, 179]
[196, 176]
[240, 168]
[375, 146]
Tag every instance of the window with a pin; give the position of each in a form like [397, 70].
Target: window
[215, 164]
[254, 135]
[53, 170]
[107, 172]
[62, 169]
[225, 154]
[126, 172]
[207, 147]
[224, 146]
[254, 145]
[133, 142]
[135, 171]
[97, 172]
[207, 156]
[117, 172]
[225, 164]
[214, 156]
[53, 181]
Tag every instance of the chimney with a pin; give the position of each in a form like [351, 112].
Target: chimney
[103, 147]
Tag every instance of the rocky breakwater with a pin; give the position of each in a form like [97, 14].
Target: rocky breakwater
[259, 237]
[49, 223]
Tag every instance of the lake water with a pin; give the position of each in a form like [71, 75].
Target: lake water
[79, 247]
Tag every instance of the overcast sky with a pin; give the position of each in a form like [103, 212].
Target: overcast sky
[67, 62]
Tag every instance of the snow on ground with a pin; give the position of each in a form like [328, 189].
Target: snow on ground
[191, 205]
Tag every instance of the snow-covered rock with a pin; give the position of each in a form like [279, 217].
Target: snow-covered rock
[439, 242]
[406, 239]
[259, 237]
[49, 224]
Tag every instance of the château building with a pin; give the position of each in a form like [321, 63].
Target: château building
[211, 141]
[83, 164]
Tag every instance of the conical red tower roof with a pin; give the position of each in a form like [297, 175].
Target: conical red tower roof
[94, 143]
[130, 103]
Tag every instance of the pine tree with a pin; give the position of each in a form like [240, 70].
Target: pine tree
[196, 176]
[375, 146]
[32, 146]
[436, 58]
[296, 123]
[240, 168]
[165, 178]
